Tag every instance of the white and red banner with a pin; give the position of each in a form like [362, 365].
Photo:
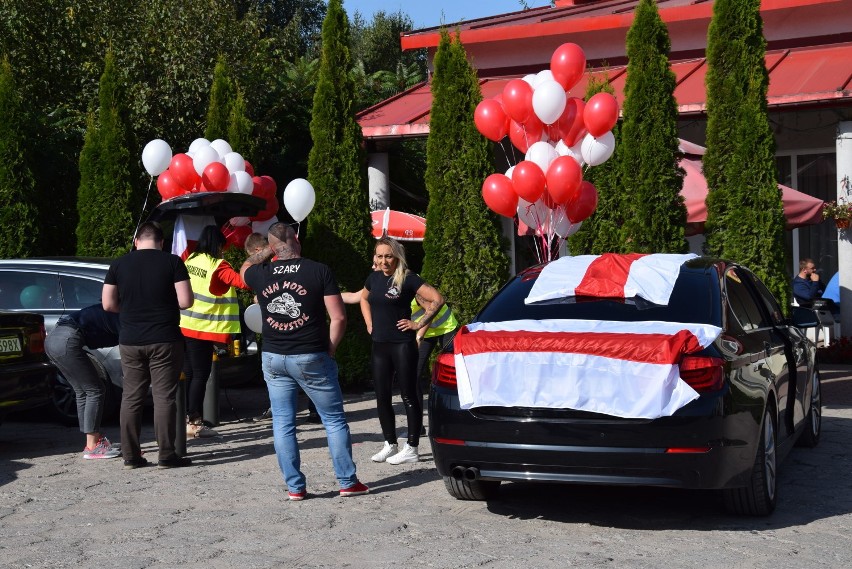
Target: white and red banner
[187, 231]
[624, 369]
[650, 276]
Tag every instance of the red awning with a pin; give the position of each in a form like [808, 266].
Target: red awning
[803, 75]
[399, 225]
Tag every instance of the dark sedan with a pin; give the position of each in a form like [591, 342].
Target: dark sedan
[756, 393]
[25, 372]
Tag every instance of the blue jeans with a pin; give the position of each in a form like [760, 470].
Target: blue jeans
[316, 374]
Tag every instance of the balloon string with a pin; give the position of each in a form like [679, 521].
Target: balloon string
[141, 213]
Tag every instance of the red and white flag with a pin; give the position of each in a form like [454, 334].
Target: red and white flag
[651, 277]
[624, 369]
[187, 231]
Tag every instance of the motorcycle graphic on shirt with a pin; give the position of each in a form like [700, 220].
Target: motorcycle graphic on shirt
[284, 304]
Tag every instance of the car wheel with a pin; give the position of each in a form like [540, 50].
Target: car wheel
[463, 489]
[813, 421]
[760, 496]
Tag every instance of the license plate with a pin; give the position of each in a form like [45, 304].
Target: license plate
[10, 346]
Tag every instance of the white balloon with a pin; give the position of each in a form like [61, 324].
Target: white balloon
[235, 162]
[596, 151]
[541, 77]
[156, 156]
[542, 153]
[222, 147]
[299, 198]
[530, 79]
[204, 156]
[245, 184]
[549, 101]
[572, 229]
[254, 318]
[233, 185]
[198, 144]
[262, 227]
[534, 215]
[573, 151]
[509, 172]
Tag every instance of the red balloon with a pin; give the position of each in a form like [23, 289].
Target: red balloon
[517, 100]
[183, 172]
[268, 186]
[257, 188]
[524, 136]
[235, 236]
[567, 64]
[563, 180]
[490, 119]
[216, 177]
[499, 196]
[571, 124]
[528, 180]
[600, 114]
[269, 211]
[167, 186]
[249, 168]
[584, 205]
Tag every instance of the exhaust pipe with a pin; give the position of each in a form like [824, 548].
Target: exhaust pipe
[471, 473]
[457, 472]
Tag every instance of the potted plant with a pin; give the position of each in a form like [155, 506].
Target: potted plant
[840, 211]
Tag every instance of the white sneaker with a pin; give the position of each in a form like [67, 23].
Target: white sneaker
[387, 450]
[406, 455]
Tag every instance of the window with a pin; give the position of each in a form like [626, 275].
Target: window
[80, 292]
[742, 305]
[25, 290]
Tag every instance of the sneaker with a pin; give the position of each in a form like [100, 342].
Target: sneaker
[199, 431]
[406, 455]
[357, 489]
[387, 450]
[138, 462]
[297, 496]
[103, 449]
[176, 462]
[265, 416]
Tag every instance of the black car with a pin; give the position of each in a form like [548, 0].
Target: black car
[758, 393]
[25, 372]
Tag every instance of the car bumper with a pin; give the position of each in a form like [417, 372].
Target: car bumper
[25, 385]
[701, 449]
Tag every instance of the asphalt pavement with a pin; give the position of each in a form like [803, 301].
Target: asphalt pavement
[230, 508]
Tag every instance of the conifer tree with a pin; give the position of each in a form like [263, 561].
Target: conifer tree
[464, 257]
[601, 232]
[240, 127]
[18, 211]
[654, 210]
[745, 215]
[219, 108]
[105, 199]
[339, 226]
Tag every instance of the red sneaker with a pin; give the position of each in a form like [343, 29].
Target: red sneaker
[297, 496]
[357, 490]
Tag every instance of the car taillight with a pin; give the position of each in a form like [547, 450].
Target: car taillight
[37, 341]
[444, 374]
[703, 373]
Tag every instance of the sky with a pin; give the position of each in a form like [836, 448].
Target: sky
[430, 13]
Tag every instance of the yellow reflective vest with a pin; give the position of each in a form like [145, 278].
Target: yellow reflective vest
[443, 322]
[210, 317]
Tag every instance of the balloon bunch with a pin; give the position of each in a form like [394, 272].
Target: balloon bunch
[215, 167]
[557, 135]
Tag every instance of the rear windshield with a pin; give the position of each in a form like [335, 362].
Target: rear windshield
[695, 299]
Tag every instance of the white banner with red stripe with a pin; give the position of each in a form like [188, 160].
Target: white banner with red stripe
[187, 231]
[651, 277]
[624, 369]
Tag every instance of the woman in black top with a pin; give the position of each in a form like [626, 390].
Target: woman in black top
[386, 305]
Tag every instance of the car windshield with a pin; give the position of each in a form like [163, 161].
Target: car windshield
[695, 299]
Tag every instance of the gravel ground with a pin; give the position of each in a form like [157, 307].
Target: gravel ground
[230, 508]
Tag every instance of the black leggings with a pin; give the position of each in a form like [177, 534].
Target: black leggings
[198, 359]
[388, 358]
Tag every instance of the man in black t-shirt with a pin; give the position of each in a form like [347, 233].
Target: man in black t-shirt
[295, 295]
[148, 287]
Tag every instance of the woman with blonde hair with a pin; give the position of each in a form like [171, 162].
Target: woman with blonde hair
[386, 305]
